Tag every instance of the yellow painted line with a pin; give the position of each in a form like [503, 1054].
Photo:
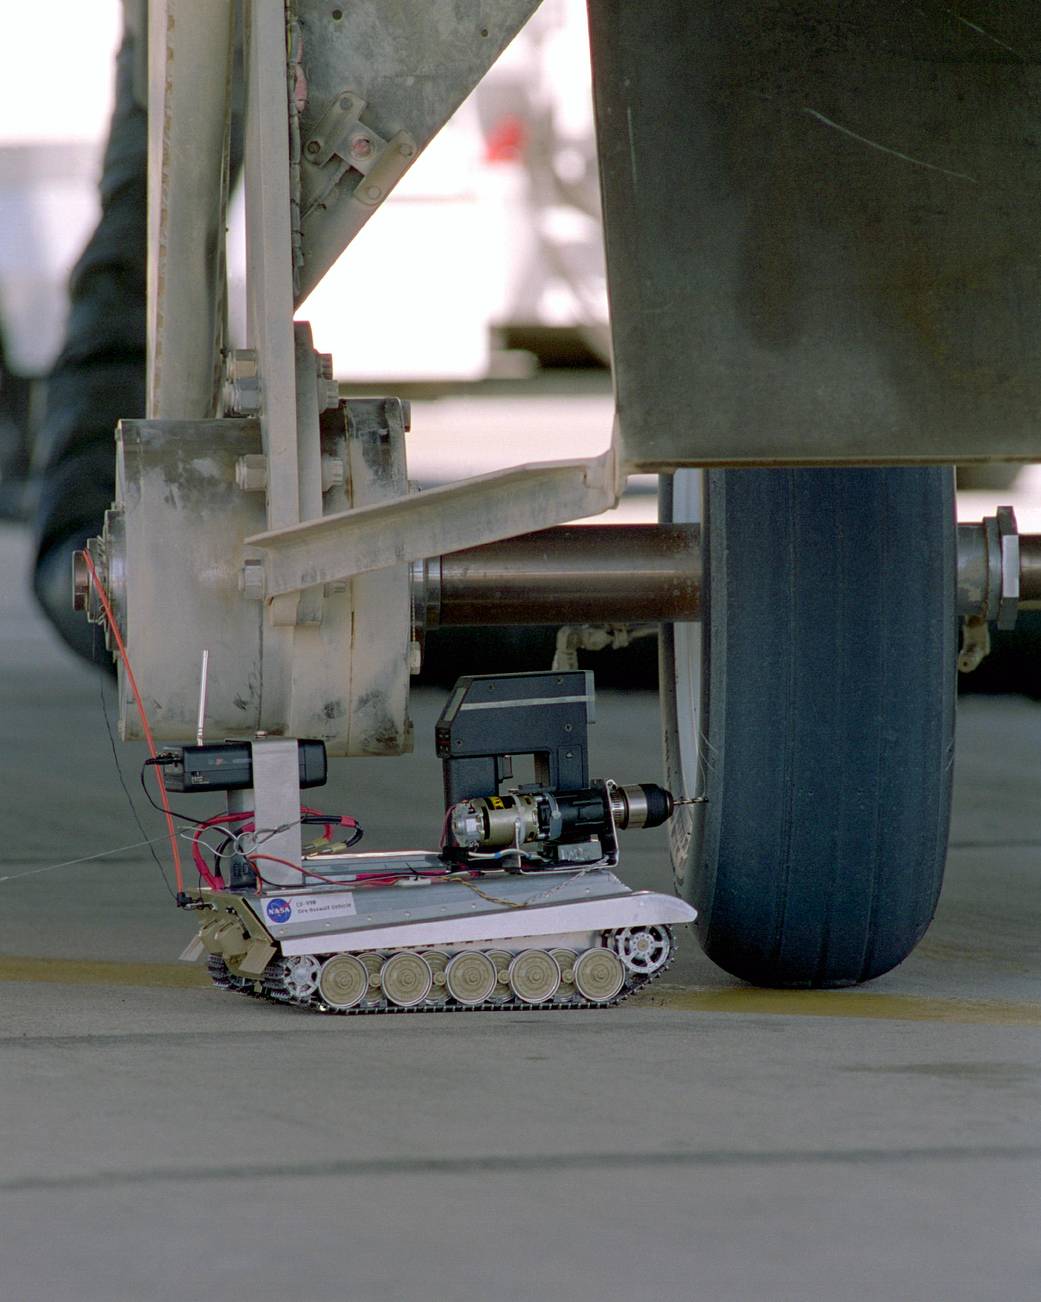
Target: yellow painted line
[841, 1003]
[746, 999]
[88, 972]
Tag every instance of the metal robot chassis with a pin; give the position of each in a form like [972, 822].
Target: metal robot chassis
[518, 909]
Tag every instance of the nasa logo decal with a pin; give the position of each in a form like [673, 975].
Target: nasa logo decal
[279, 911]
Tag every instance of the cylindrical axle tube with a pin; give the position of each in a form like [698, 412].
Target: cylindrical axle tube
[572, 575]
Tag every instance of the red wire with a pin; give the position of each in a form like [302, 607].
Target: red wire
[217, 883]
[106, 605]
[214, 882]
[334, 820]
[369, 879]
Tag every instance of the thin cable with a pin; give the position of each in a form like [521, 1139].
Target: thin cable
[360, 879]
[148, 796]
[214, 879]
[492, 899]
[106, 605]
[288, 863]
[87, 858]
[126, 792]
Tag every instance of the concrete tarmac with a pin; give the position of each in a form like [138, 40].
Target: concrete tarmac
[163, 1141]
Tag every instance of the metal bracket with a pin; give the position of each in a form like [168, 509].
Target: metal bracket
[382, 75]
[975, 643]
[572, 638]
[465, 514]
[275, 801]
[341, 142]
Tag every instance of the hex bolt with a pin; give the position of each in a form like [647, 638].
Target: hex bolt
[251, 580]
[241, 364]
[241, 390]
[81, 583]
[251, 472]
[1008, 534]
[332, 472]
[241, 397]
[361, 147]
[328, 394]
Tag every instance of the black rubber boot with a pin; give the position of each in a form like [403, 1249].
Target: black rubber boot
[99, 377]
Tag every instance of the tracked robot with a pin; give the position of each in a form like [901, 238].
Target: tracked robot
[518, 907]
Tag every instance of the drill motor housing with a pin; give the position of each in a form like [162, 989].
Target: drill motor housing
[561, 818]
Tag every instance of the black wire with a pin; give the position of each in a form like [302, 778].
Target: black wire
[119, 771]
[316, 819]
[187, 818]
[319, 819]
[324, 819]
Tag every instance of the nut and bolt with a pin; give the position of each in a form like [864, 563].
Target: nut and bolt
[251, 472]
[328, 395]
[81, 582]
[241, 395]
[251, 580]
[241, 364]
[332, 473]
[328, 385]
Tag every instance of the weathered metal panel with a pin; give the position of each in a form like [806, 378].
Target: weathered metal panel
[413, 62]
[381, 610]
[350, 672]
[176, 588]
[184, 522]
[822, 229]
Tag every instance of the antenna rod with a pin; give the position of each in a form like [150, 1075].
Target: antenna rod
[199, 728]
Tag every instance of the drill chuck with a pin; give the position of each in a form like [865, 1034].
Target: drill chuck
[644, 804]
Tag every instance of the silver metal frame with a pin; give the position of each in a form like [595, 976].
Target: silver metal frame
[339, 101]
[189, 60]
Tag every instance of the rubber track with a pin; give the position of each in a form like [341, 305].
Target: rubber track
[514, 1005]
